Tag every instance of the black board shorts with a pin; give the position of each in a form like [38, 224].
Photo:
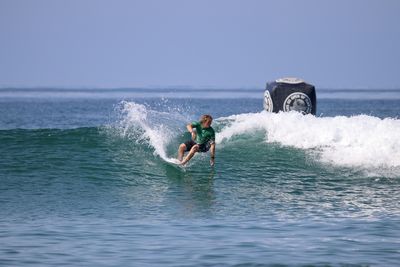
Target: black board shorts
[202, 148]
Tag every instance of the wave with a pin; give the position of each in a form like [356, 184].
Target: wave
[361, 141]
[357, 141]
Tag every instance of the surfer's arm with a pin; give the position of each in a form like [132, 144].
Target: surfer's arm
[212, 154]
[191, 130]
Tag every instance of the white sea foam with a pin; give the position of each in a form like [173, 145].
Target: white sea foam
[143, 125]
[361, 141]
[136, 122]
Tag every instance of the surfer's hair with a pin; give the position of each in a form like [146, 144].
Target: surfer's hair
[205, 118]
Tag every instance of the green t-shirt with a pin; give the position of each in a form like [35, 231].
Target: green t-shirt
[204, 135]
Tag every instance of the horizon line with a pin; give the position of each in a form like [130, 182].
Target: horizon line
[180, 87]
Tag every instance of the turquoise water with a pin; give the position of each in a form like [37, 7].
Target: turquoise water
[84, 180]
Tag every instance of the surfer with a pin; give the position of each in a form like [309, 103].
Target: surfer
[203, 139]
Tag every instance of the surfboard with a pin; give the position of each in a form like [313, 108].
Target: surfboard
[174, 162]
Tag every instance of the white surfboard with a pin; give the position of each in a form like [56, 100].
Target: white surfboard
[174, 162]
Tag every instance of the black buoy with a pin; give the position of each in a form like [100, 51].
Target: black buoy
[289, 94]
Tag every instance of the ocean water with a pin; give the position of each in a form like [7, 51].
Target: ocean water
[84, 182]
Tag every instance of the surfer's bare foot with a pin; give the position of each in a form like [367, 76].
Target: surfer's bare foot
[192, 151]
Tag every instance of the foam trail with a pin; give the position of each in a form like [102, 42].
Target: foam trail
[362, 141]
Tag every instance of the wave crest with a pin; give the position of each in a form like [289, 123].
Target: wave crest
[362, 141]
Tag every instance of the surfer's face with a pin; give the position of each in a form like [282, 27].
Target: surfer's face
[206, 124]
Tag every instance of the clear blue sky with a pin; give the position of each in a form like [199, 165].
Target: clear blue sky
[213, 43]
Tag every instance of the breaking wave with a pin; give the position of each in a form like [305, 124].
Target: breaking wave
[361, 141]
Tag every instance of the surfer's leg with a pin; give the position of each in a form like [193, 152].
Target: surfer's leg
[187, 146]
[181, 151]
[192, 151]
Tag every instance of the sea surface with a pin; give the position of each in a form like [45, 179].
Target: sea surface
[84, 179]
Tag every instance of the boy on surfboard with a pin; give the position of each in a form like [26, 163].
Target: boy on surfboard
[203, 139]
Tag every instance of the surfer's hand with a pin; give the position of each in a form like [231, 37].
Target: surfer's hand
[212, 162]
[193, 135]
